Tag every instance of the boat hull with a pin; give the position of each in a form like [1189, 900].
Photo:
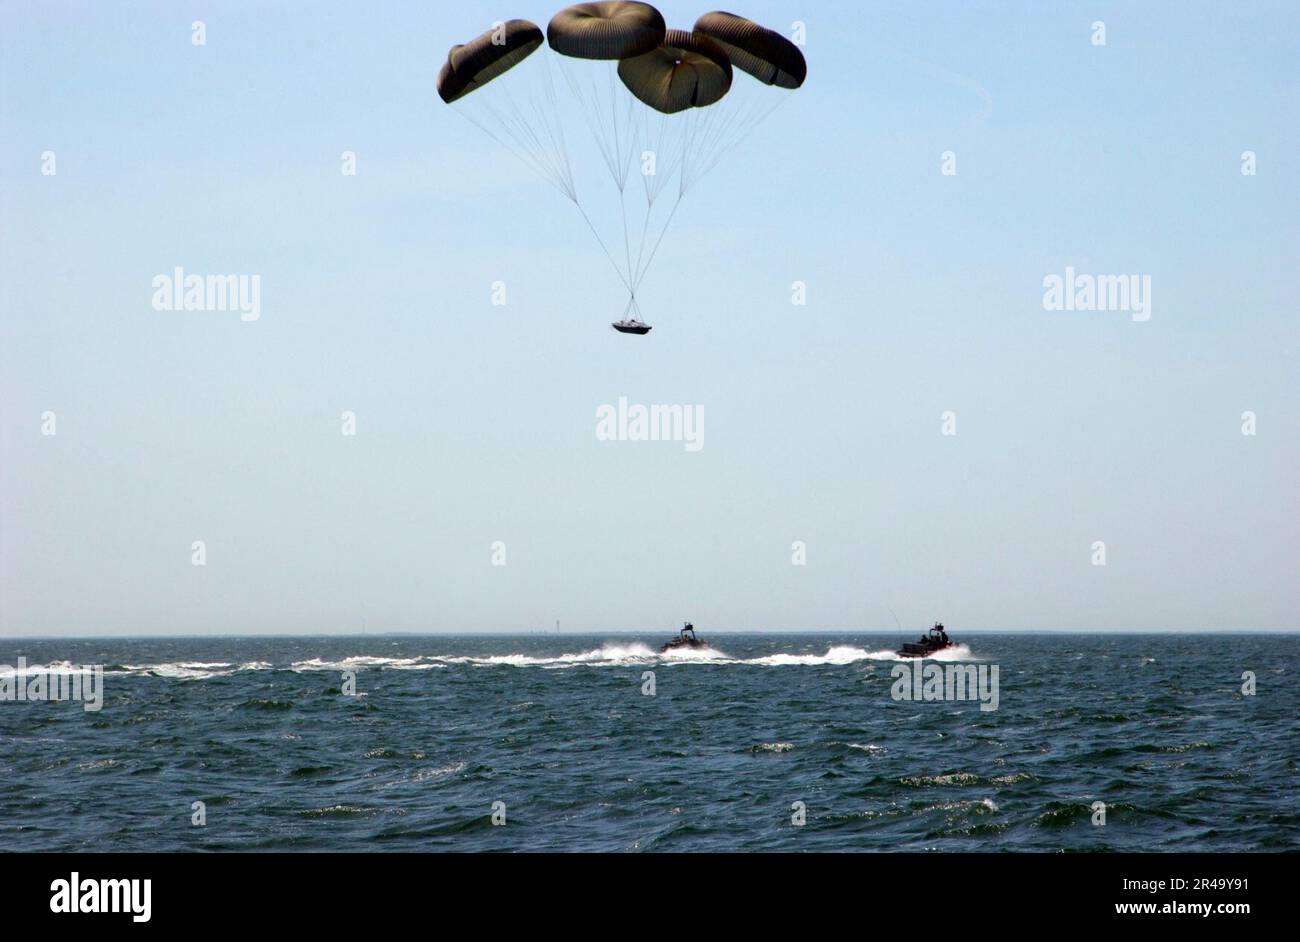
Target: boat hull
[678, 644]
[922, 650]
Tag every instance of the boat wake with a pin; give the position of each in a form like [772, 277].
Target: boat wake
[957, 652]
[836, 654]
[610, 654]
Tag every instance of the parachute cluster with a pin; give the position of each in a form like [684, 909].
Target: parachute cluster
[661, 100]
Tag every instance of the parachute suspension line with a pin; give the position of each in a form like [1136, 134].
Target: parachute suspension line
[620, 172]
[653, 191]
[526, 133]
[625, 162]
[613, 120]
[528, 160]
[600, 110]
[593, 114]
[670, 152]
[618, 271]
[690, 134]
[705, 140]
[538, 143]
[698, 127]
[641, 273]
[740, 123]
[550, 116]
[627, 244]
[632, 135]
[551, 163]
[640, 252]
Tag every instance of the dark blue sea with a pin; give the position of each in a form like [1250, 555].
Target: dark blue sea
[559, 736]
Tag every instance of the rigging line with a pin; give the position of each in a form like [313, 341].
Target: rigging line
[543, 131]
[610, 132]
[645, 139]
[725, 134]
[527, 132]
[588, 111]
[671, 165]
[645, 232]
[713, 131]
[557, 126]
[617, 271]
[522, 158]
[632, 136]
[613, 115]
[622, 129]
[598, 130]
[641, 275]
[689, 130]
[554, 102]
[723, 139]
[648, 136]
[559, 154]
[533, 157]
[641, 123]
[672, 153]
[594, 108]
[516, 115]
[758, 115]
[621, 179]
[604, 142]
[688, 141]
[645, 229]
[652, 141]
[627, 245]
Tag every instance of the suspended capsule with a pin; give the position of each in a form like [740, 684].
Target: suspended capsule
[631, 326]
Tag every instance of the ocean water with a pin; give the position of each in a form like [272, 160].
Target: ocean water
[560, 730]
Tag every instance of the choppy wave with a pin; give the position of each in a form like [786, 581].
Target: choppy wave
[9, 671]
[557, 728]
[173, 670]
[363, 661]
[612, 654]
[194, 670]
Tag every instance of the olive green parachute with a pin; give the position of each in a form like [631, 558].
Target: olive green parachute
[662, 108]
[611, 29]
[689, 70]
[763, 53]
[471, 66]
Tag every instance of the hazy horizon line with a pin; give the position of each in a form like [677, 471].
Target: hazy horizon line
[533, 632]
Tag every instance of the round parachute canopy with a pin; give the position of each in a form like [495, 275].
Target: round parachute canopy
[471, 66]
[763, 53]
[611, 29]
[688, 70]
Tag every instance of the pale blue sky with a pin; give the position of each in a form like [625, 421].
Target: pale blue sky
[822, 423]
